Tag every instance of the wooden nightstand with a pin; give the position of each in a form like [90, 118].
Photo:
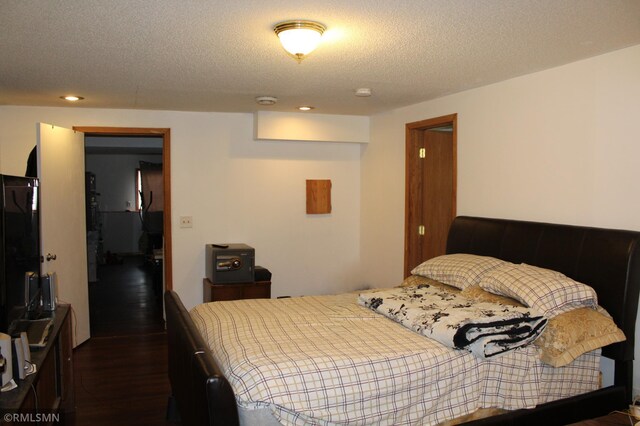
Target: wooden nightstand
[252, 290]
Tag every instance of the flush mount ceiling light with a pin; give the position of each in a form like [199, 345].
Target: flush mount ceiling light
[299, 38]
[305, 108]
[266, 100]
[72, 98]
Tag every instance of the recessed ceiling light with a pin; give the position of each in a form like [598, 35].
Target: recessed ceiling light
[72, 98]
[266, 100]
[305, 108]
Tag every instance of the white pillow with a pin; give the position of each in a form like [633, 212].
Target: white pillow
[544, 290]
[459, 270]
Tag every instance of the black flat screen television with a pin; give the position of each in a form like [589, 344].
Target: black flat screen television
[19, 248]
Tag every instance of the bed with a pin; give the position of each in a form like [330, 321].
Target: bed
[607, 260]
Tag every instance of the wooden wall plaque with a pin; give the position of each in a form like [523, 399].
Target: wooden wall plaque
[318, 196]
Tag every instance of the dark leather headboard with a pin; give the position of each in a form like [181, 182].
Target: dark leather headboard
[607, 260]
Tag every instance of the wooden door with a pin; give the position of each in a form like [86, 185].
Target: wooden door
[430, 188]
[62, 219]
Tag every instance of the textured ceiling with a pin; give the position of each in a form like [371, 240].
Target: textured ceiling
[198, 55]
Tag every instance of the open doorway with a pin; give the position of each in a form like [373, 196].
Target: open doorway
[127, 239]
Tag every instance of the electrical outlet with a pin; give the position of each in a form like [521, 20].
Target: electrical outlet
[186, 222]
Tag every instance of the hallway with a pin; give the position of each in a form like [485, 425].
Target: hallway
[121, 372]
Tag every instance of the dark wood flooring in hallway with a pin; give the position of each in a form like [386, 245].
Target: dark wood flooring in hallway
[126, 299]
[121, 372]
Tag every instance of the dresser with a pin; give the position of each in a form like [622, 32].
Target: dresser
[48, 394]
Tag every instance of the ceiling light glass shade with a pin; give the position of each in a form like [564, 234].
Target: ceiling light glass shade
[299, 38]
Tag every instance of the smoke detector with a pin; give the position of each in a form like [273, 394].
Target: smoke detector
[266, 100]
[363, 92]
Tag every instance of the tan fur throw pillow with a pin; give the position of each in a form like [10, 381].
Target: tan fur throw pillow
[412, 280]
[573, 333]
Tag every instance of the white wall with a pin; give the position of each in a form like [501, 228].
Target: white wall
[121, 232]
[297, 126]
[561, 145]
[237, 190]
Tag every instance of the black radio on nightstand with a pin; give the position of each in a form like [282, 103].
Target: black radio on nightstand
[230, 263]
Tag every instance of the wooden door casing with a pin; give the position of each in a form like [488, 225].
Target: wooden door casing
[166, 176]
[430, 188]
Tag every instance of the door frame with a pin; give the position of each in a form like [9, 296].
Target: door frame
[414, 131]
[166, 181]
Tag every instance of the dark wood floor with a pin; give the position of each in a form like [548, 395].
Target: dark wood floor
[125, 299]
[121, 372]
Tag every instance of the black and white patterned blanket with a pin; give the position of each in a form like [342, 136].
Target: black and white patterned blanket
[485, 329]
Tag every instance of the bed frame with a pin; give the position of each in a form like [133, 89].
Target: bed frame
[200, 392]
[608, 260]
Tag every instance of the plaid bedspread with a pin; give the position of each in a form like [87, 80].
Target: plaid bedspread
[326, 360]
